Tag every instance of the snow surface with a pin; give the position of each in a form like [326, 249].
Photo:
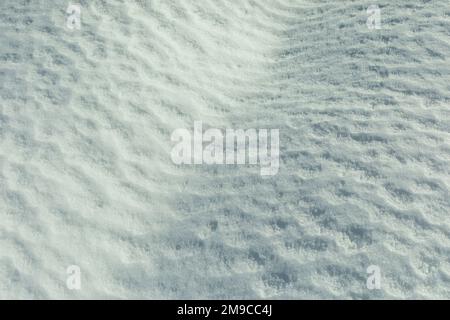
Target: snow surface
[85, 171]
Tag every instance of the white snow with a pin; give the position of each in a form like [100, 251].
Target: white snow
[86, 177]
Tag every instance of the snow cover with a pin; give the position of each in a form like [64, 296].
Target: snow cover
[86, 177]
